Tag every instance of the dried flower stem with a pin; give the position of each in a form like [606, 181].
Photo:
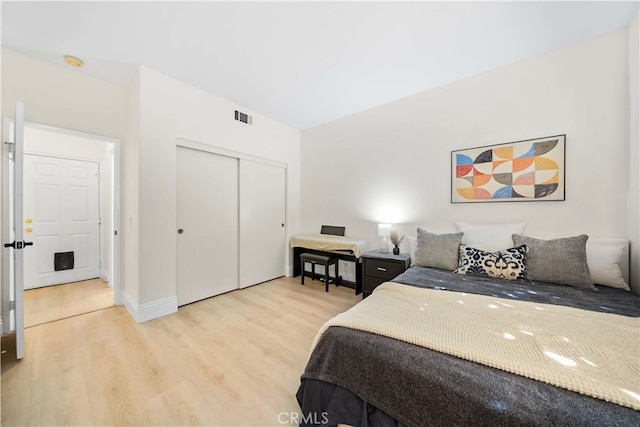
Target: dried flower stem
[393, 236]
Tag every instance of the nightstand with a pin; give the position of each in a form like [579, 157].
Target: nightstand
[378, 268]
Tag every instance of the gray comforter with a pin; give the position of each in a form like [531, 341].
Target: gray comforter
[364, 379]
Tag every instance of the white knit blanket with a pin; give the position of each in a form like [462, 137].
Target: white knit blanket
[596, 354]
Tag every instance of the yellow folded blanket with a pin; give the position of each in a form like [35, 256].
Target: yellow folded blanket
[328, 242]
[596, 354]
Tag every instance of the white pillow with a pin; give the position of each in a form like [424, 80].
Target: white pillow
[413, 242]
[604, 263]
[490, 237]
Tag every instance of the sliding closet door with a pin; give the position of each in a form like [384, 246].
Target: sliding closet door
[207, 219]
[262, 222]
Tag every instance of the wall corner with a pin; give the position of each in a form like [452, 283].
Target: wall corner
[151, 310]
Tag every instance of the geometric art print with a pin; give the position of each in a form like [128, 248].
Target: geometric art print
[531, 170]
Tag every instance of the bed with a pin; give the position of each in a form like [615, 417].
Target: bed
[419, 350]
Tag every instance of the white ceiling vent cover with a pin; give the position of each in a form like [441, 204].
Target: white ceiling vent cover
[244, 118]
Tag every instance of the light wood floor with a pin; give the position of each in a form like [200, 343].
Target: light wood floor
[231, 360]
[42, 305]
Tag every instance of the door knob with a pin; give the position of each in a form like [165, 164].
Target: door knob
[180, 231]
[18, 244]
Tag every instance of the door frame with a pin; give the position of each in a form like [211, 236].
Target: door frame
[7, 268]
[181, 142]
[115, 208]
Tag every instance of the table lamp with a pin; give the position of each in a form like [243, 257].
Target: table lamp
[383, 231]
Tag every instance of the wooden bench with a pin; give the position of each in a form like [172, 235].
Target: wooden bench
[324, 260]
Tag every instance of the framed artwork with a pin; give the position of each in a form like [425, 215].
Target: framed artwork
[520, 171]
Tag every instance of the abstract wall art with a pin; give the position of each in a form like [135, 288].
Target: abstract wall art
[530, 170]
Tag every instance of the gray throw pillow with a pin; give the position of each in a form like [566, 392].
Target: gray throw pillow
[437, 250]
[560, 261]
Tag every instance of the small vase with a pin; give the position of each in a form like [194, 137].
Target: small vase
[396, 250]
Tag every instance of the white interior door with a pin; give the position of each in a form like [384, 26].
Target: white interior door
[12, 232]
[262, 222]
[207, 222]
[62, 216]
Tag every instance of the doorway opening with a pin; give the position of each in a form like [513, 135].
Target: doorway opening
[64, 215]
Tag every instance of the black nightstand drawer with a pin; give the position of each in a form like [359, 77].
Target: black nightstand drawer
[378, 268]
[383, 268]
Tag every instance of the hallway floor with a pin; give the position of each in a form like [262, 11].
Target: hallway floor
[42, 305]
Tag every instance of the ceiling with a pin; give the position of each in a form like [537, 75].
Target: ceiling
[304, 63]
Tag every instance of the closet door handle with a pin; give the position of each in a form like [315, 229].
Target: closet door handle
[180, 231]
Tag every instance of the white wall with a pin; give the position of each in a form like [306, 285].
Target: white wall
[130, 181]
[634, 151]
[169, 110]
[392, 163]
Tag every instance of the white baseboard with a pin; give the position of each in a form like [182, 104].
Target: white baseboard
[150, 310]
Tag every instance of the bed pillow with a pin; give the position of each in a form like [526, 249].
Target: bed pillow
[490, 237]
[412, 241]
[509, 264]
[604, 263]
[437, 250]
[559, 261]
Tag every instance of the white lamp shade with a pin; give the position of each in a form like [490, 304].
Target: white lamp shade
[384, 230]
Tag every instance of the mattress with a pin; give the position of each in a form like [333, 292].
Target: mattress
[357, 377]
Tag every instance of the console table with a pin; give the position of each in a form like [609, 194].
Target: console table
[345, 248]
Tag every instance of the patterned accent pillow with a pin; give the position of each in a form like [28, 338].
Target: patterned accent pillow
[509, 264]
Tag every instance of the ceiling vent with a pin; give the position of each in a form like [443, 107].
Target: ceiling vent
[244, 118]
